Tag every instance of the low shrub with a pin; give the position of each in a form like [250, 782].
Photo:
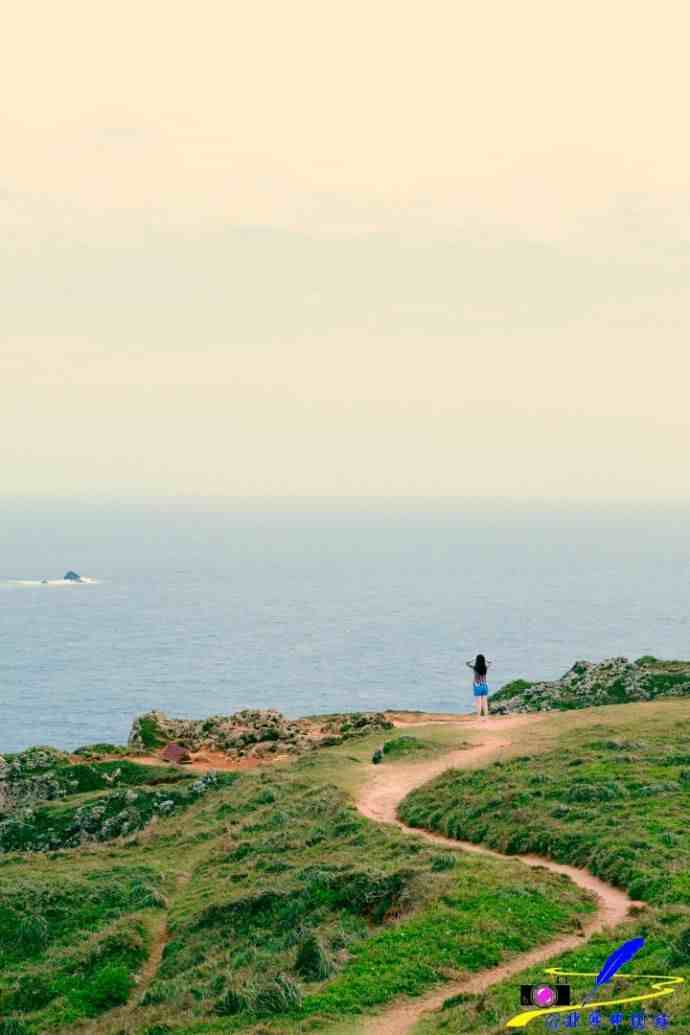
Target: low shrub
[680, 952]
[280, 994]
[444, 862]
[11, 1026]
[273, 995]
[38, 912]
[109, 987]
[314, 962]
[97, 750]
[403, 746]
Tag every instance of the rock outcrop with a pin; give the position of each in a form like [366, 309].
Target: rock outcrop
[252, 732]
[30, 776]
[72, 576]
[588, 684]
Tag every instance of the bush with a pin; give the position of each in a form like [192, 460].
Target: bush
[151, 734]
[33, 992]
[264, 797]
[681, 948]
[515, 687]
[403, 745]
[94, 750]
[593, 792]
[109, 987]
[10, 1026]
[279, 995]
[32, 932]
[367, 893]
[313, 961]
[233, 1002]
[444, 862]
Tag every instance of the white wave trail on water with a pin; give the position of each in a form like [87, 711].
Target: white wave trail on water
[84, 581]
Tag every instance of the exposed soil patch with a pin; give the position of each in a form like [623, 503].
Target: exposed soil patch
[204, 761]
[405, 718]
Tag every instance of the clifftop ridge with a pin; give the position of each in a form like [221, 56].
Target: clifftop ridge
[588, 684]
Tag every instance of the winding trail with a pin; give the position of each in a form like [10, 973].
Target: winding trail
[379, 799]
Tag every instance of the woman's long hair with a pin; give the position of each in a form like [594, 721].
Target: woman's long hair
[480, 665]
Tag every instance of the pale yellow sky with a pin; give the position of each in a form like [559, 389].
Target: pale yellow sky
[339, 249]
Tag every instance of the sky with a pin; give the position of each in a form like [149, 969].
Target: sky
[345, 249]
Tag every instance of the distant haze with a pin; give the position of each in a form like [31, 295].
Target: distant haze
[313, 249]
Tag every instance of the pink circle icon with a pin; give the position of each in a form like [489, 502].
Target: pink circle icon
[544, 995]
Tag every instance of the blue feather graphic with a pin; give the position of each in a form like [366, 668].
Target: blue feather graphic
[618, 957]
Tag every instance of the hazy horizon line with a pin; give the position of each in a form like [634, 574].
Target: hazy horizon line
[297, 500]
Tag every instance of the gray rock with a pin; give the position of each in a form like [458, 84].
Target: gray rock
[250, 731]
[586, 685]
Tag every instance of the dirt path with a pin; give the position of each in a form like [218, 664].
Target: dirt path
[115, 1020]
[379, 799]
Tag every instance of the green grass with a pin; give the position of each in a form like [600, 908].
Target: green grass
[666, 932]
[46, 775]
[464, 931]
[80, 817]
[96, 751]
[516, 685]
[82, 982]
[151, 735]
[288, 912]
[286, 909]
[614, 802]
[404, 745]
[120, 773]
[39, 912]
[610, 795]
[75, 922]
[306, 864]
[72, 938]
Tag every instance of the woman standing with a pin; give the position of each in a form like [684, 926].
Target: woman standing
[480, 667]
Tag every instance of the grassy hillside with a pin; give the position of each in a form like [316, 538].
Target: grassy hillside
[263, 902]
[667, 945]
[48, 803]
[613, 796]
[274, 906]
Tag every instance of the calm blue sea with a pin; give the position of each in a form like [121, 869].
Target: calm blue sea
[316, 606]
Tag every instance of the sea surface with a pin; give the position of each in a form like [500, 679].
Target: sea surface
[205, 607]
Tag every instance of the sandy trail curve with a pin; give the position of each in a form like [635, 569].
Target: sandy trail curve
[379, 799]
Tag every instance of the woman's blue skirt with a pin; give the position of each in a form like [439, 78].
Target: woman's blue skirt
[480, 689]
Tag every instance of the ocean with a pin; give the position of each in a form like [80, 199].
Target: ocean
[312, 606]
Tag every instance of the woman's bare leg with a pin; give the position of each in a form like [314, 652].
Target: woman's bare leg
[479, 707]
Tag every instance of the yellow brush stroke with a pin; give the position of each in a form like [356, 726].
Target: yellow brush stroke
[666, 987]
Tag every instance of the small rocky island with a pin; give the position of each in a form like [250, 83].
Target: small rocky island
[72, 576]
